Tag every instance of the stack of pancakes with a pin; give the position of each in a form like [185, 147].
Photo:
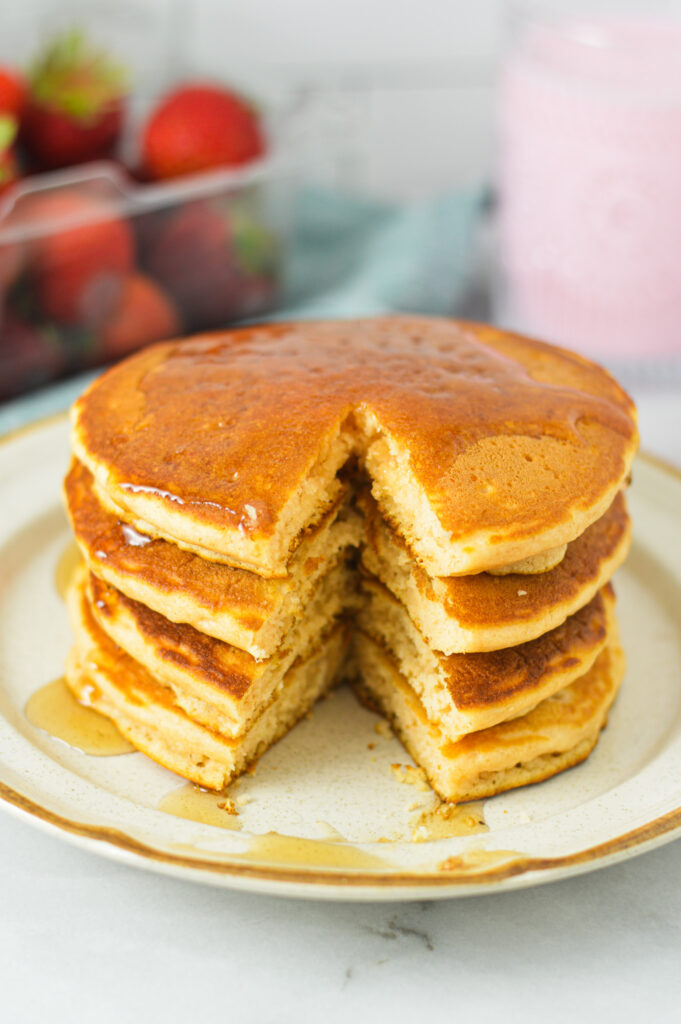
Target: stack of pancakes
[431, 508]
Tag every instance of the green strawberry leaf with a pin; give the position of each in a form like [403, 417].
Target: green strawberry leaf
[8, 131]
[75, 78]
[255, 247]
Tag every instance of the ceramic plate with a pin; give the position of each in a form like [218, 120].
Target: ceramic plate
[334, 810]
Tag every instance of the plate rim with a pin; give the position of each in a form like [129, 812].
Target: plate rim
[519, 869]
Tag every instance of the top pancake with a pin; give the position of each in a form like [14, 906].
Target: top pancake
[483, 447]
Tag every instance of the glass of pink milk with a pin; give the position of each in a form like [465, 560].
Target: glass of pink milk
[590, 178]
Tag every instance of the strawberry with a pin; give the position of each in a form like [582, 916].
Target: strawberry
[144, 314]
[192, 256]
[9, 169]
[12, 93]
[256, 248]
[79, 263]
[29, 355]
[198, 127]
[12, 260]
[75, 103]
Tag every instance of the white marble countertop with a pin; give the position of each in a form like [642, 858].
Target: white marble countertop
[84, 939]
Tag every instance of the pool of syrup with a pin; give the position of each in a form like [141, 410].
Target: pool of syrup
[55, 710]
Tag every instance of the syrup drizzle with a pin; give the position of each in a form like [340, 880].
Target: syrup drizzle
[133, 537]
[432, 384]
[55, 710]
[474, 861]
[156, 491]
[447, 820]
[283, 849]
[209, 808]
[201, 805]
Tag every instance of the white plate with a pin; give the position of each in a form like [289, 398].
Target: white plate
[332, 777]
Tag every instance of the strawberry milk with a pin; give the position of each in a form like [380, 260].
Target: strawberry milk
[590, 183]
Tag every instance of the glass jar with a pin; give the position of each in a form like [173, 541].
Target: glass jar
[589, 178]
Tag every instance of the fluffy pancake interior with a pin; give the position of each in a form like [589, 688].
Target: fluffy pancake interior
[217, 684]
[484, 612]
[225, 691]
[463, 693]
[103, 676]
[233, 605]
[473, 613]
[560, 732]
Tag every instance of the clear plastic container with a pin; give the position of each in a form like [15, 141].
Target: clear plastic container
[95, 262]
[93, 265]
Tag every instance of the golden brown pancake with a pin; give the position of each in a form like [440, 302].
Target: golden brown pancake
[485, 612]
[217, 684]
[466, 613]
[483, 447]
[233, 605]
[104, 677]
[463, 693]
[557, 734]
[226, 487]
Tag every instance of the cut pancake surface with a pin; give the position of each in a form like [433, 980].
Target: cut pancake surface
[103, 676]
[230, 604]
[466, 613]
[463, 693]
[221, 685]
[557, 734]
[560, 731]
[485, 612]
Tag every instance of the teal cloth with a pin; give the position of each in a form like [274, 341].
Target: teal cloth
[356, 257]
[348, 257]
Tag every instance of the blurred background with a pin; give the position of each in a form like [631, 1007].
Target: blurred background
[169, 166]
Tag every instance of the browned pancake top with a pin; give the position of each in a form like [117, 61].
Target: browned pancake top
[227, 426]
[166, 567]
[492, 677]
[212, 661]
[486, 599]
[483, 600]
[138, 686]
[573, 708]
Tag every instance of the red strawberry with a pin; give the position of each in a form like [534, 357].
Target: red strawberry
[12, 259]
[9, 169]
[144, 314]
[79, 263]
[29, 355]
[74, 109]
[198, 127]
[192, 256]
[12, 93]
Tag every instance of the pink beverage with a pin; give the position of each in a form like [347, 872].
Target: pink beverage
[590, 182]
